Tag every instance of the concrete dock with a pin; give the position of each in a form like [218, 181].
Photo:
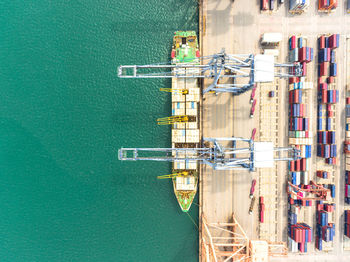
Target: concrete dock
[237, 26]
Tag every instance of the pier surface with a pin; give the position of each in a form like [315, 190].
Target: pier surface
[237, 26]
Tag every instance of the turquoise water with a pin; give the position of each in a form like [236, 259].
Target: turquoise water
[64, 113]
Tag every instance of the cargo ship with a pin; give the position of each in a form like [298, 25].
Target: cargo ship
[185, 101]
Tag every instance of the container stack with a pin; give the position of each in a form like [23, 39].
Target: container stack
[299, 235]
[325, 230]
[347, 187]
[300, 137]
[327, 5]
[298, 6]
[322, 174]
[347, 151]
[331, 187]
[328, 95]
[300, 53]
[347, 223]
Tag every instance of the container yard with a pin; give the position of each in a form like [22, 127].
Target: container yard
[300, 206]
[261, 122]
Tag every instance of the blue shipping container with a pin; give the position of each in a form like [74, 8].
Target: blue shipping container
[333, 69]
[300, 42]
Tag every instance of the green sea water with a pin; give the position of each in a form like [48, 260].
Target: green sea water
[64, 195]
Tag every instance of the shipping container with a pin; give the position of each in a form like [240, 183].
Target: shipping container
[321, 42]
[333, 69]
[292, 42]
[323, 69]
[300, 42]
[332, 59]
[333, 41]
[264, 5]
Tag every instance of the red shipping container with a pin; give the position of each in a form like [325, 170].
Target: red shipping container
[333, 4]
[328, 54]
[292, 166]
[301, 110]
[296, 96]
[293, 42]
[302, 235]
[290, 97]
[307, 134]
[321, 42]
[324, 96]
[348, 100]
[304, 69]
[297, 165]
[323, 86]
[323, 68]
[293, 80]
[300, 124]
[302, 54]
[330, 79]
[323, 4]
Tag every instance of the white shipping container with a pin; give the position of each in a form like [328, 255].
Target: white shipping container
[305, 178]
[193, 94]
[192, 125]
[295, 209]
[179, 126]
[271, 38]
[300, 141]
[298, 4]
[297, 178]
[178, 136]
[302, 151]
[293, 55]
[191, 165]
[192, 136]
[292, 245]
[179, 164]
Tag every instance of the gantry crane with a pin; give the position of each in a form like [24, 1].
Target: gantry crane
[170, 120]
[179, 174]
[319, 192]
[214, 154]
[175, 90]
[227, 241]
[218, 66]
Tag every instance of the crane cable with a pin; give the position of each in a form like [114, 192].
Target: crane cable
[192, 220]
